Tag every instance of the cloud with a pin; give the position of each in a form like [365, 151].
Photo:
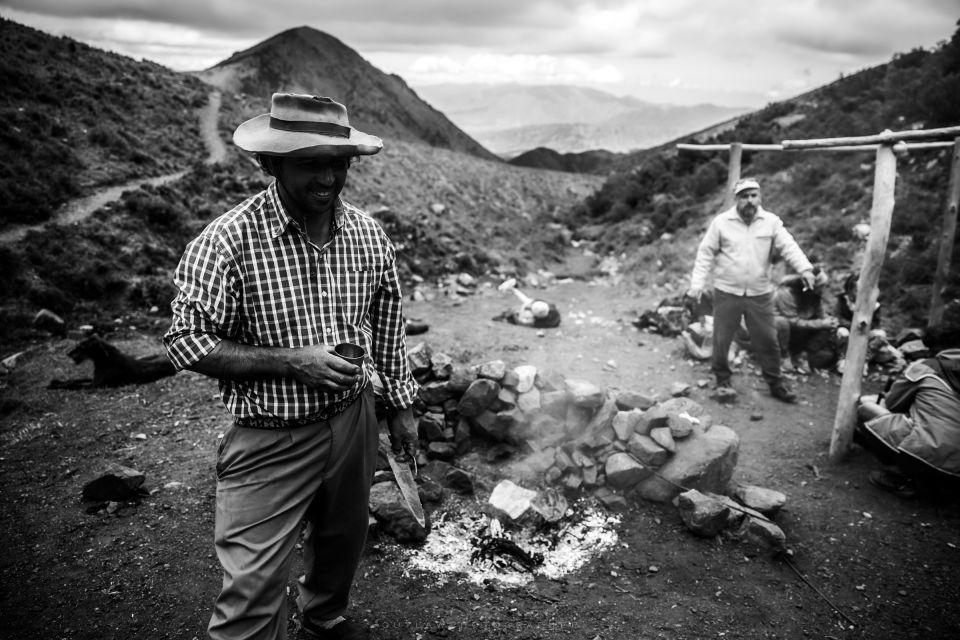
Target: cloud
[495, 69]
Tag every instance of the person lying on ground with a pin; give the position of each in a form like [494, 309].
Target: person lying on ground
[914, 427]
[532, 312]
[804, 330]
[697, 339]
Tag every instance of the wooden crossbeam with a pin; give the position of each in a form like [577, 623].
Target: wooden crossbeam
[886, 137]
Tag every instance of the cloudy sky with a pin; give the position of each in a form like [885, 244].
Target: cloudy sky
[730, 52]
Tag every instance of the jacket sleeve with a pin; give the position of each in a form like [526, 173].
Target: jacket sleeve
[706, 256]
[788, 248]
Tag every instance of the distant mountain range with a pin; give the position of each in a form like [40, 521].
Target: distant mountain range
[512, 119]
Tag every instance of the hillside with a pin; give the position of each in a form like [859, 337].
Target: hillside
[77, 119]
[448, 210]
[305, 60]
[820, 195]
[512, 119]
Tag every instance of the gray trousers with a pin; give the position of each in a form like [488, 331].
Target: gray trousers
[757, 313]
[268, 482]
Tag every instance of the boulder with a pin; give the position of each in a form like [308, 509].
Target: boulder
[629, 400]
[584, 394]
[705, 462]
[623, 471]
[478, 397]
[766, 501]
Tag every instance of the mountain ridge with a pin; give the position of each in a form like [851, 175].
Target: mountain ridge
[378, 103]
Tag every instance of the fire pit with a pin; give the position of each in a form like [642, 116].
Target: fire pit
[476, 547]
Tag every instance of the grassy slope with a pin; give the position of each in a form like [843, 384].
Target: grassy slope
[77, 118]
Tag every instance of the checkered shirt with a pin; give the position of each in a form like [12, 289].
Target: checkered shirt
[253, 277]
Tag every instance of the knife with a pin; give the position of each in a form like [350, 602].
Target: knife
[404, 478]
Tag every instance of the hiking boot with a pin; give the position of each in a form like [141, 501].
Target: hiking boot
[345, 629]
[893, 482]
[782, 393]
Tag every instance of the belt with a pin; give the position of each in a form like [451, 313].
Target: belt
[273, 422]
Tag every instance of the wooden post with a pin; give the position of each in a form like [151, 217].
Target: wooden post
[881, 212]
[733, 173]
[946, 240]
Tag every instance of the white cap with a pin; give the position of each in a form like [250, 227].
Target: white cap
[743, 185]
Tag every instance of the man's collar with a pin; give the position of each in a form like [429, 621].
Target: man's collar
[733, 214]
[279, 219]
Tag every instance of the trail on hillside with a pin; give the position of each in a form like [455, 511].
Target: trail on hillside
[81, 208]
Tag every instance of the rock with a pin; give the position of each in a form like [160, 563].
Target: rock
[478, 397]
[441, 451]
[599, 430]
[46, 320]
[724, 395]
[703, 515]
[430, 427]
[766, 501]
[624, 422]
[112, 482]
[459, 480]
[610, 500]
[442, 366]
[647, 451]
[389, 508]
[437, 208]
[681, 425]
[435, 392]
[461, 437]
[529, 401]
[624, 471]
[663, 437]
[550, 505]
[629, 400]
[554, 403]
[493, 370]
[429, 490]
[683, 405]
[511, 499]
[761, 533]
[704, 462]
[679, 389]
[584, 394]
[526, 376]
[460, 378]
[506, 399]
[418, 358]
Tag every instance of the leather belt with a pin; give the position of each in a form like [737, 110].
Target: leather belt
[273, 422]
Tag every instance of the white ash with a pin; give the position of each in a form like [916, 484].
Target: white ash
[448, 549]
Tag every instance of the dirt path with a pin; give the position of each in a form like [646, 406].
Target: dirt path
[81, 208]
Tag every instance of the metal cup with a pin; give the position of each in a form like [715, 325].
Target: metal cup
[350, 352]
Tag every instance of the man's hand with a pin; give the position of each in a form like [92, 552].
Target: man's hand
[829, 322]
[695, 292]
[403, 435]
[319, 367]
[808, 279]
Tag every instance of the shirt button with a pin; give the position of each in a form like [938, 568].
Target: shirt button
[329, 330]
[323, 293]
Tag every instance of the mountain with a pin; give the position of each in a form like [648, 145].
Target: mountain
[304, 60]
[510, 119]
[79, 120]
[585, 162]
[821, 195]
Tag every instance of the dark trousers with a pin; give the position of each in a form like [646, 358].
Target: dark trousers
[757, 313]
[819, 344]
[268, 482]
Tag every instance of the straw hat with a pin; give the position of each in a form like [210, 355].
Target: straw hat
[303, 125]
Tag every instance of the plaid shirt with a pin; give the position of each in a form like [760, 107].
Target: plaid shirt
[253, 277]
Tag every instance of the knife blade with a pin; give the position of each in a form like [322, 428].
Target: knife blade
[404, 478]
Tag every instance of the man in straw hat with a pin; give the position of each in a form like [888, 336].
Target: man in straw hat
[736, 250]
[266, 291]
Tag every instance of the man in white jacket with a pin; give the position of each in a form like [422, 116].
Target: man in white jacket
[736, 250]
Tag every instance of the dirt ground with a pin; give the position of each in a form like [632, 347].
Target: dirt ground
[877, 566]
